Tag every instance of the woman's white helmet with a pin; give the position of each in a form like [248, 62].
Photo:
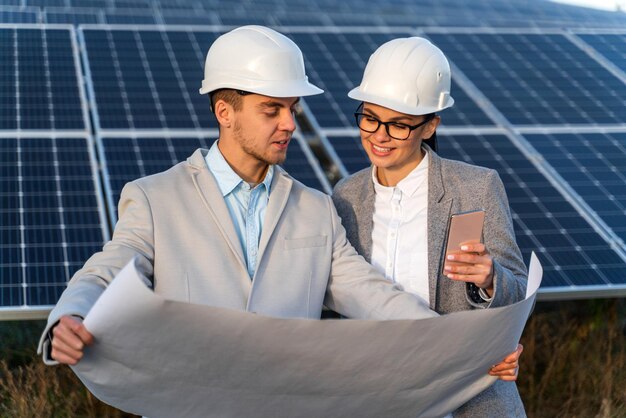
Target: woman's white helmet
[408, 75]
[258, 60]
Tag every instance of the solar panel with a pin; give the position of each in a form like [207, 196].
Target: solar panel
[72, 16]
[40, 77]
[291, 18]
[241, 19]
[350, 151]
[144, 79]
[612, 46]
[51, 218]
[574, 255]
[46, 3]
[93, 4]
[537, 79]
[198, 19]
[126, 17]
[594, 165]
[131, 4]
[128, 158]
[9, 14]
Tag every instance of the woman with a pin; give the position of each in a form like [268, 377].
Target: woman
[396, 212]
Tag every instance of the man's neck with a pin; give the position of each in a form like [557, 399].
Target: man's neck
[250, 169]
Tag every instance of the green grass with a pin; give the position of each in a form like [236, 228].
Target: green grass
[573, 365]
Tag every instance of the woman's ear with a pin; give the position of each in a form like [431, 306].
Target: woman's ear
[431, 127]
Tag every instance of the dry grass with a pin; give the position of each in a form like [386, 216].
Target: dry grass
[573, 366]
[34, 390]
[574, 360]
[28, 388]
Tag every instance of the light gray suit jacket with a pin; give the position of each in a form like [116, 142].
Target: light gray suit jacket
[453, 187]
[178, 225]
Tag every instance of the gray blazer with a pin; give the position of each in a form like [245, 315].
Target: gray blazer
[179, 227]
[453, 187]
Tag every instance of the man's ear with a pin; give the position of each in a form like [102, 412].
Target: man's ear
[431, 127]
[224, 113]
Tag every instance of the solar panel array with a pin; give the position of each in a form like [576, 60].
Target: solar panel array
[545, 107]
[451, 13]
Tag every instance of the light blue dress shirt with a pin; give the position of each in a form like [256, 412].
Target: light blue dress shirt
[247, 206]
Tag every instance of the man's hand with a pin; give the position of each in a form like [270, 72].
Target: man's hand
[69, 338]
[472, 264]
[509, 368]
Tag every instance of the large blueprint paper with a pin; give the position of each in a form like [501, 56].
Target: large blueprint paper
[161, 358]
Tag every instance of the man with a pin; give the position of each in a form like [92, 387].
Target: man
[396, 211]
[230, 228]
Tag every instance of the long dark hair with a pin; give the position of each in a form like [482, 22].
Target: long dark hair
[432, 141]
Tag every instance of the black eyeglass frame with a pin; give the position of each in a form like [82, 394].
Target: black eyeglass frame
[358, 114]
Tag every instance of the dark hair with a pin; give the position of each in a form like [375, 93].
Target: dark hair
[432, 141]
[230, 96]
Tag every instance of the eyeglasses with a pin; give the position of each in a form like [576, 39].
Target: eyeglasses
[396, 130]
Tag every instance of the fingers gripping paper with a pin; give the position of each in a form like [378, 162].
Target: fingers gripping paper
[162, 358]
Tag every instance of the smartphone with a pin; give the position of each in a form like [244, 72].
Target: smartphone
[463, 227]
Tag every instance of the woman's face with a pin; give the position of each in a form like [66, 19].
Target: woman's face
[396, 157]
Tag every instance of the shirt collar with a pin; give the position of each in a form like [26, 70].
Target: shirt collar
[227, 179]
[408, 185]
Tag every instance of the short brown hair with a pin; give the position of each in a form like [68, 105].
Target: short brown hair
[230, 96]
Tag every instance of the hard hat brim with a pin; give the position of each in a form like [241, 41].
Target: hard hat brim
[357, 94]
[293, 88]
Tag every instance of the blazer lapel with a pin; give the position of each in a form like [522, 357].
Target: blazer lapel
[364, 213]
[279, 195]
[438, 214]
[211, 196]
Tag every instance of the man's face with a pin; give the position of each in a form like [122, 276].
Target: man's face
[263, 127]
[389, 153]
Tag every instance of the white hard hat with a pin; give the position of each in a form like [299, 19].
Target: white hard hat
[408, 75]
[258, 60]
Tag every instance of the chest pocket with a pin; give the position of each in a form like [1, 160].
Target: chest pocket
[308, 242]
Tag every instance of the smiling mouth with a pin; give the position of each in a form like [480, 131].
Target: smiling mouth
[380, 149]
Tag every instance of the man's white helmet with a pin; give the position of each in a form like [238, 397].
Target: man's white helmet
[408, 75]
[258, 60]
